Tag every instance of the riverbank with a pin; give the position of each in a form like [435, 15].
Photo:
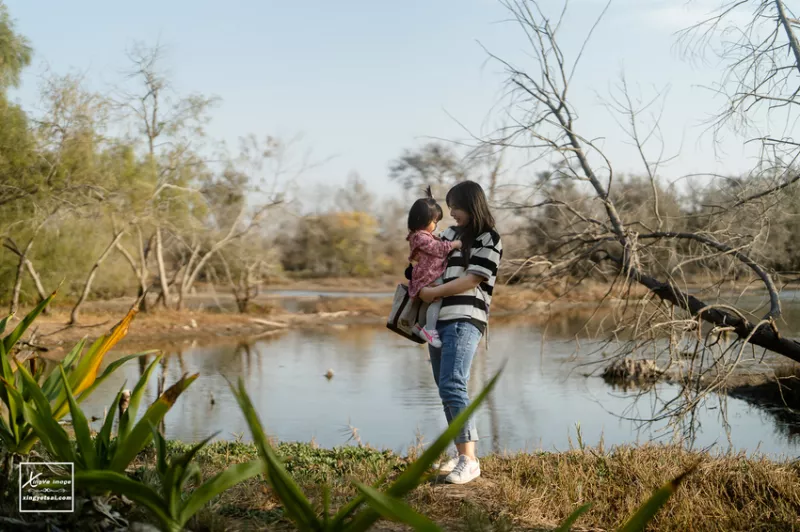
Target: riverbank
[211, 317]
[526, 491]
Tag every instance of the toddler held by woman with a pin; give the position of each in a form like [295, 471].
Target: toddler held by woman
[430, 254]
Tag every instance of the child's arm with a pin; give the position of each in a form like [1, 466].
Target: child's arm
[435, 248]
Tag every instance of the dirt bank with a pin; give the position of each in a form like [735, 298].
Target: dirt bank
[212, 317]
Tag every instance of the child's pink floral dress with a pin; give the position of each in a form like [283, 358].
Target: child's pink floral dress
[431, 255]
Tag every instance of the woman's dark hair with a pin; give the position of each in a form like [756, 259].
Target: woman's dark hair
[423, 212]
[469, 197]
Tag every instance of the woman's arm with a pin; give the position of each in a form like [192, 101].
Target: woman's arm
[456, 286]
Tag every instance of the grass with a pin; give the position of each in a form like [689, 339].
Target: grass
[526, 491]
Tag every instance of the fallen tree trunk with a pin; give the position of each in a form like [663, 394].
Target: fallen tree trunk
[764, 335]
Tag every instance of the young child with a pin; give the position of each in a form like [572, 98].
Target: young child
[430, 255]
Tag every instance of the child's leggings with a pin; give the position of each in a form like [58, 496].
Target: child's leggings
[432, 313]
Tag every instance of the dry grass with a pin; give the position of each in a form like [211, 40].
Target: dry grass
[533, 491]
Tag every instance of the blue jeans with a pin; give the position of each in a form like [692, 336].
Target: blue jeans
[451, 364]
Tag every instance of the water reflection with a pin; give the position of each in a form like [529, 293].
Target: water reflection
[384, 387]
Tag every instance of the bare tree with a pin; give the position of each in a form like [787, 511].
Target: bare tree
[239, 199]
[25, 264]
[643, 246]
[434, 164]
[140, 265]
[761, 82]
[170, 126]
[246, 264]
[87, 285]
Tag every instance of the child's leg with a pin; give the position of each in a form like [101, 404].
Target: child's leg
[432, 315]
[429, 333]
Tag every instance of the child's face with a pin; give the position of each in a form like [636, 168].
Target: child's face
[431, 227]
[460, 216]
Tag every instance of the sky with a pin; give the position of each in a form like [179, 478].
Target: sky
[362, 81]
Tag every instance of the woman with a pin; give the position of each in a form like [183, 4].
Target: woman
[466, 295]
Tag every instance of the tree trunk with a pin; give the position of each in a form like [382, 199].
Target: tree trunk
[141, 276]
[763, 335]
[162, 273]
[17, 285]
[23, 257]
[188, 277]
[144, 254]
[242, 299]
[87, 287]
[160, 299]
[493, 178]
[37, 282]
[191, 275]
[787, 27]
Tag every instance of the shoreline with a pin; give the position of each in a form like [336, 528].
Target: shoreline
[211, 314]
[530, 491]
[207, 322]
[533, 491]
[210, 317]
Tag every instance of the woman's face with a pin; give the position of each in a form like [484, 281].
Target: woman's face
[459, 215]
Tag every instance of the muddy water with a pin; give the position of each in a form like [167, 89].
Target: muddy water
[383, 387]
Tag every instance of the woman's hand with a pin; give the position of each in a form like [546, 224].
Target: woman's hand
[455, 244]
[428, 294]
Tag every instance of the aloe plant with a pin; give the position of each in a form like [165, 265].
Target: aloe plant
[102, 452]
[387, 503]
[168, 505]
[80, 371]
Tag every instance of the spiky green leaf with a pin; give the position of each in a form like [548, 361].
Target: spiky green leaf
[136, 491]
[566, 525]
[396, 510]
[297, 506]
[141, 434]
[14, 336]
[216, 485]
[648, 510]
[127, 419]
[83, 434]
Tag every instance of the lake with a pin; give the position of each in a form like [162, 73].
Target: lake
[383, 387]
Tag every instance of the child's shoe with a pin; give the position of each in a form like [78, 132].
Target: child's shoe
[432, 337]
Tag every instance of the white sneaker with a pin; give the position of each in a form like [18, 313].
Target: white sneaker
[432, 337]
[447, 466]
[466, 470]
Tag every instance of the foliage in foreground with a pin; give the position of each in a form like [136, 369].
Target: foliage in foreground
[102, 460]
[102, 452]
[28, 393]
[169, 504]
[388, 503]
